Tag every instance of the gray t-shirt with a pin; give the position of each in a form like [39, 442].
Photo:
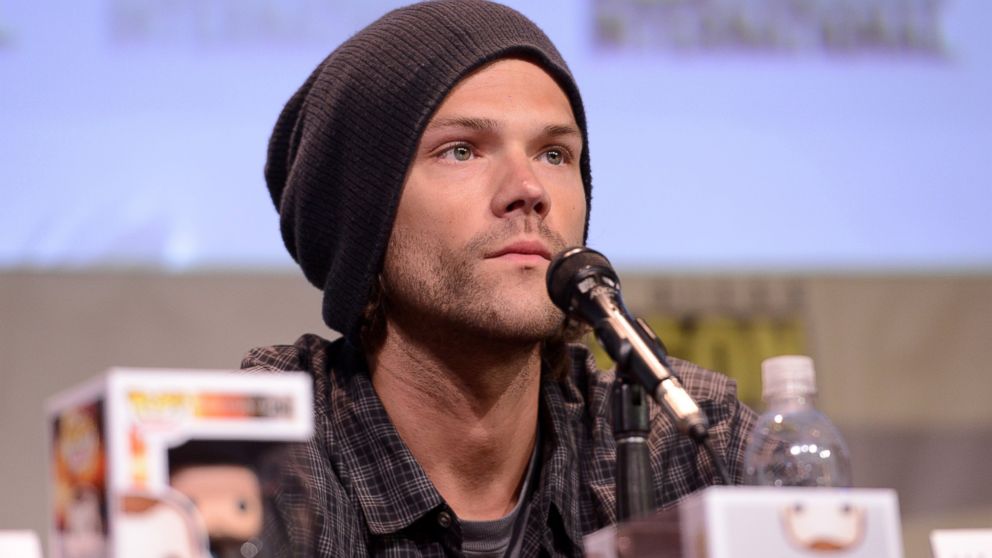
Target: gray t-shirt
[492, 539]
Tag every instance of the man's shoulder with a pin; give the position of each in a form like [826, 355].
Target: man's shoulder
[701, 383]
[310, 353]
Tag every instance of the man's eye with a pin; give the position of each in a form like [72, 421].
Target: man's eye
[555, 156]
[458, 153]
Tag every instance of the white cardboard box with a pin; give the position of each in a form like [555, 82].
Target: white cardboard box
[961, 543]
[751, 522]
[110, 443]
[19, 544]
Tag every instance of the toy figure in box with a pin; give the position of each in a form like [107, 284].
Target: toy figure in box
[220, 480]
[159, 525]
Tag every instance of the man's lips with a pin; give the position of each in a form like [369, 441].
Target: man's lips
[523, 249]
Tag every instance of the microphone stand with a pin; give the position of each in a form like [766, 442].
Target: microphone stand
[631, 424]
[631, 427]
[582, 282]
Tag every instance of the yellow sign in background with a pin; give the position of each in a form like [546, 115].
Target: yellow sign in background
[727, 326]
[730, 344]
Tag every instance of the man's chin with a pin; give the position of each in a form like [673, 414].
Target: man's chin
[524, 325]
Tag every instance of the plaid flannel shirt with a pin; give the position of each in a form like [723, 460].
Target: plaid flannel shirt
[356, 490]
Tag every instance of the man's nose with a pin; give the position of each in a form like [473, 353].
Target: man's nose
[520, 190]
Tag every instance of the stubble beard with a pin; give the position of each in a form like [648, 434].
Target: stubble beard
[439, 287]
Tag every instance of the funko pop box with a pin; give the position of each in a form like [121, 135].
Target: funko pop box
[165, 462]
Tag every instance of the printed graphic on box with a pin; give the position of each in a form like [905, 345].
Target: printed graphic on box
[162, 419]
[80, 488]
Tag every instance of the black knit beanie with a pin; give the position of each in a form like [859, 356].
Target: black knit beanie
[340, 150]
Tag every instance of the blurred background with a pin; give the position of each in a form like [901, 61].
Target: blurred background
[771, 176]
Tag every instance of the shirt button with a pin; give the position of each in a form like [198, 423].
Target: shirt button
[444, 519]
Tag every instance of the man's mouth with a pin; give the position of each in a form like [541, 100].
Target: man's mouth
[529, 251]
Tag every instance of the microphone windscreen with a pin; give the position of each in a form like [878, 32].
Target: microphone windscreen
[569, 267]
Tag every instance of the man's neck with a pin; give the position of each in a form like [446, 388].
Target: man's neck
[468, 412]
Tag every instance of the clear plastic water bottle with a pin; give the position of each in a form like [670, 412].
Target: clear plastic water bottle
[794, 444]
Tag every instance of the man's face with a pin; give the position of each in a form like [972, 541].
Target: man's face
[493, 192]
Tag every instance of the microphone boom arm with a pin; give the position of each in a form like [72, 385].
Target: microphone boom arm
[615, 328]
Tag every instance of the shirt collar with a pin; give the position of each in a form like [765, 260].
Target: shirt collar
[391, 487]
[559, 474]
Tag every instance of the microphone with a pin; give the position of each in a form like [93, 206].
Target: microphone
[582, 283]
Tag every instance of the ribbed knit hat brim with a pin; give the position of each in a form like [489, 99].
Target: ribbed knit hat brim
[339, 152]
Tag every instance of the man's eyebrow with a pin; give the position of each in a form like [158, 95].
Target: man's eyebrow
[556, 130]
[478, 124]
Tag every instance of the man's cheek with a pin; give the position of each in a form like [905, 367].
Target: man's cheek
[575, 235]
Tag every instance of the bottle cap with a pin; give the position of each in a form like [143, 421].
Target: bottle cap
[787, 375]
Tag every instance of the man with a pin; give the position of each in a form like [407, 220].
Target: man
[425, 174]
